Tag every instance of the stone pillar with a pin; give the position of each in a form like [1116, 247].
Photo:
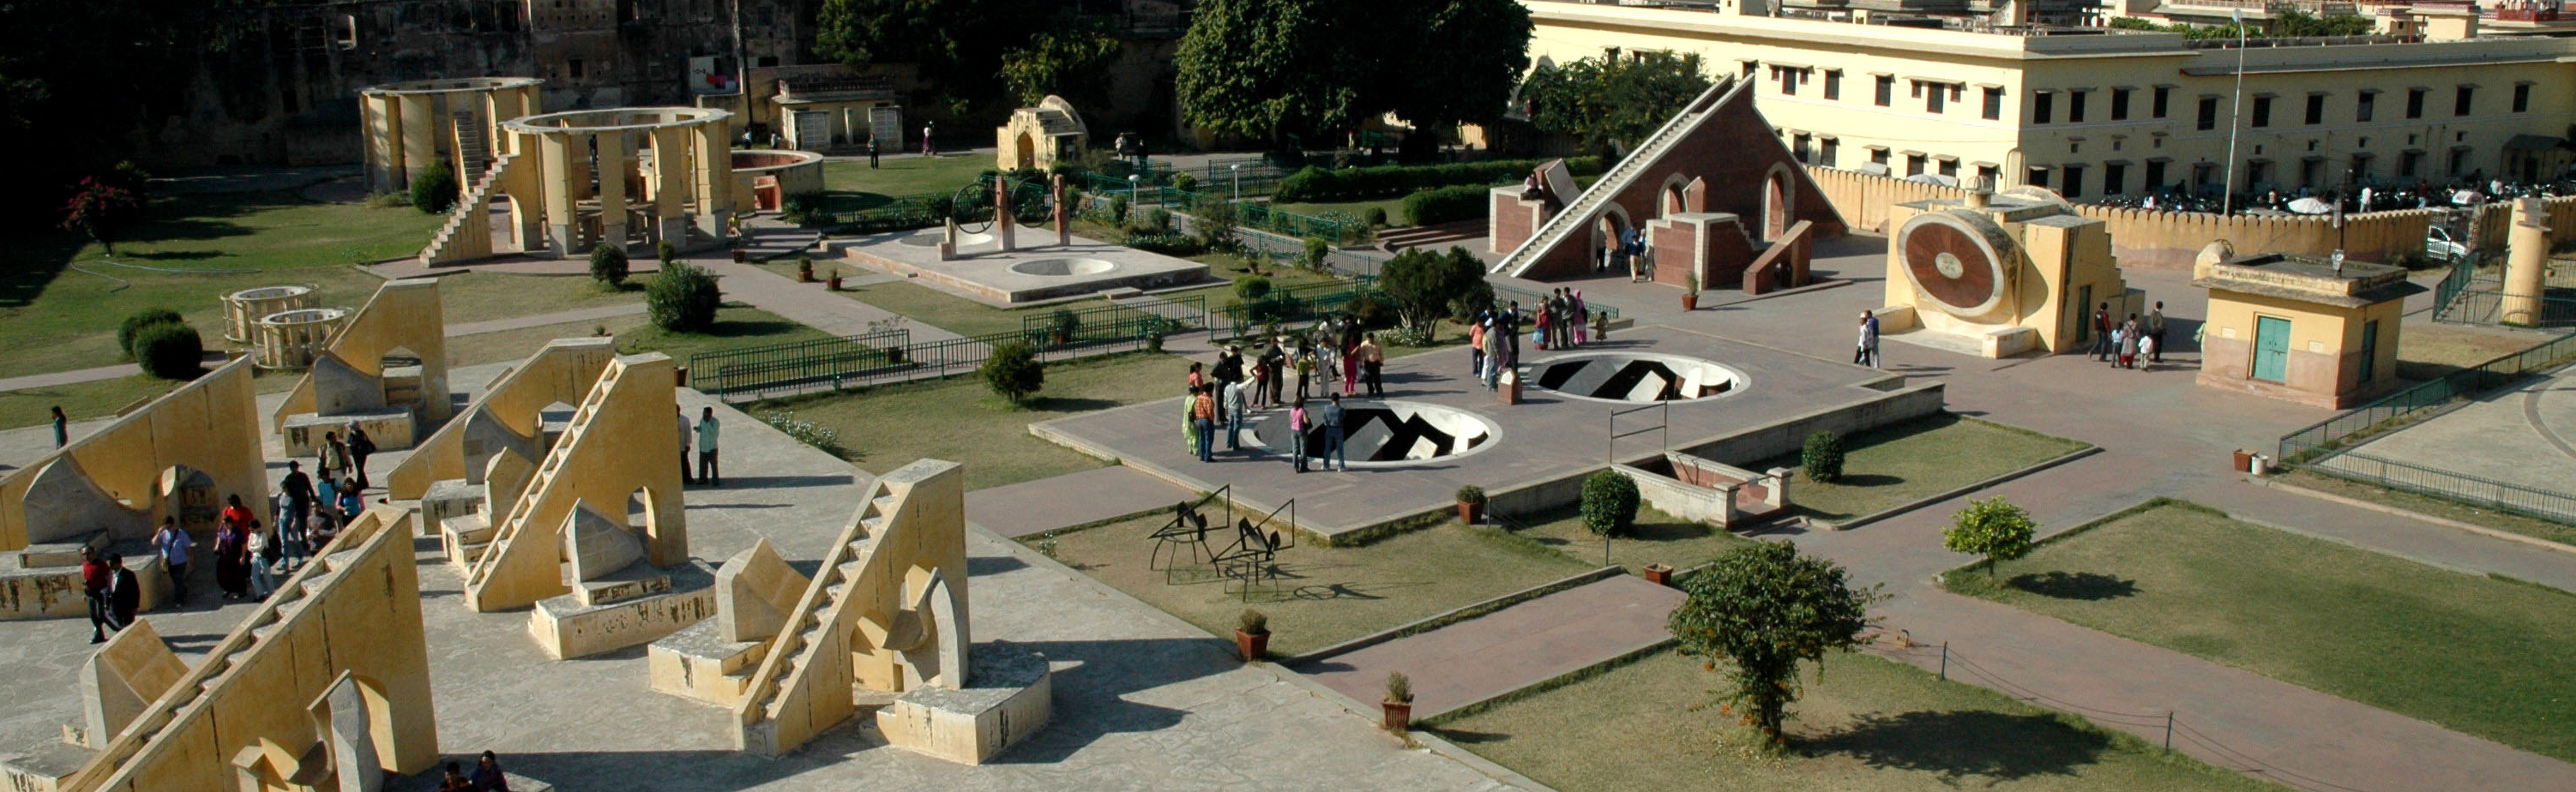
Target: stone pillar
[523, 181]
[384, 143]
[1063, 228]
[612, 189]
[419, 129]
[2526, 267]
[558, 150]
[577, 166]
[1004, 225]
[715, 178]
[671, 185]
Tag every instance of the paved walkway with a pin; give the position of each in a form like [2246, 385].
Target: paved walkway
[1068, 500]
[77, 376]
[1524, 644]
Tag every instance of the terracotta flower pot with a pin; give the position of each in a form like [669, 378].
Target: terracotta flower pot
[1659, 574]
[1690, 302]
[740, 255]
[1251, 646]
[1399, 717]
[1469, 512]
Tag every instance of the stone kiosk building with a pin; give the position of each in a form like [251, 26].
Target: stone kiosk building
[2302, 328]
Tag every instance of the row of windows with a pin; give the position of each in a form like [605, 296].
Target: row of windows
[1936, 97]
[2070, 179]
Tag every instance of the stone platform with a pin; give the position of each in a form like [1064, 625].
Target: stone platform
[1008, 696]
[1039, 270]
[629, 608]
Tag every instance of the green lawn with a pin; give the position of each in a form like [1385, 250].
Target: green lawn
[479, 296]
[1657, 538]
[736, 326]
[960, 419]
[2561, 533]
[1325, 595]
[2476, 654]
[1394, 208]
[1866, 725]
[1898, 464]
[53, 318]
[851, 185]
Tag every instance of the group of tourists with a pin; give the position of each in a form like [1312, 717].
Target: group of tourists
[2126, 344]
[709, 472]
[250, 553]
[487, 777]
[1224, 397]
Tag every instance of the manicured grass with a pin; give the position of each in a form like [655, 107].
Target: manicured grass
[1866, 724]
[736, 326]
[1894, 465]
[55, 319]
[1394, 208]
[1324, 595]
[959, 418]
[2561, 533]
[102, 398]
[851, 185]
[1656, 538]
[2476, 654]
[2433, 349]
[479, 296]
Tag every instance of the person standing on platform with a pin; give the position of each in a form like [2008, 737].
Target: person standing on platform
[1333, 451]
[682, 415]
[1372, 363]
[1866, 353]
[708, 472]
[94, 582]
[124, 593]
[360, 445]
[2156, 333]
[62, 428]
[173, 546]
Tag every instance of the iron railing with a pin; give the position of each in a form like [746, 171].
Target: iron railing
[780, 365]
[2326, 446]
[2460, 487]
[799, 361]
[1171, 314]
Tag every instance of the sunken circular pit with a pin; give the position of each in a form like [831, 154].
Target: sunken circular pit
[1063, 267]
[1635, 377]
[1382, 433]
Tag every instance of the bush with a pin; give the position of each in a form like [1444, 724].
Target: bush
[170, 350]
[1065, 324]
[1994, 528]
[665, 252]
[1316, 249]
[1471, 494]
[1823, 457]
[608, 264]
[1430, 207]
[683, 299]
[133, 325]
[1253, 288]
[1185, 182]
[1374, 311]
[1253, 622]
[1609, 503]
[1319, 184]
[1013, 371]
[1118, 210]
[1376, 217]
[436, 190]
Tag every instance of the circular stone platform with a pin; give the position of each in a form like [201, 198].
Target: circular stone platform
[1058, 267]
[931, 237]
[1636, 377]
[1383, 434]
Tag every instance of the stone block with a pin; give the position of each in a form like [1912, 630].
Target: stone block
[348, 739]
[505, 481]
[699, 663]
[54, 592]
[339, 387]
[1008, 696]
[391, 428]
[446, 500]
[636, 580]
[123, 678]
[597, 544]
[61, 503]
[755, 592]
[63, 553]
[463, 536]
[568, 628]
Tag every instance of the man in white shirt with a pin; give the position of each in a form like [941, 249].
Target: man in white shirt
[708, 473]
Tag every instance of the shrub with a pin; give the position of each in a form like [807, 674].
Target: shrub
[1252, 288]
[1214, 228]
[1253, 622]
[1471, 494]
[1159, 220]
[1823, 457]
[1319, 184]
[1994, 528]
[1316, 249]
[170, 350]
[1013, 371]
[134, 325]
[1609, 503]
[436, 190]
[807, 432]
[683, 298]
[665, 252]
[1430, 207]
[608, 264]
[1375, 216]
[1399, 688]
[1118, 210]
[1185, 182]
[1065, 323]
[1373, 312]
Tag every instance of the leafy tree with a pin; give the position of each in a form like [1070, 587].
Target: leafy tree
[1609, 503]
[436, 191]
[1447, 63]
[1994, 528]
[1253, 68]
[1763, 608]
[1251, 288]
[608, 264]
[1613, 97]
[100, 210]
[1013, 371]
[683, 298]
[1067, 60]
[1426, 286]
[954, 43]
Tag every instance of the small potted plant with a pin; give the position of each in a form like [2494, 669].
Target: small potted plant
[1690, 291]
[835, 284]
[1659, 573]
[1398, 702]
[804, 269]
[1252, 635]
[1471, 504]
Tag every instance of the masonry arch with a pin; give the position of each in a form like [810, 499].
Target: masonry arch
[1608, 228]
[1779, 201]
[1672, 198]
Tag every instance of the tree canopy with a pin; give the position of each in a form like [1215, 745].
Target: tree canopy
[2287, 24]
[1262, 68]
[1066, 60]
[1762, 609]
[1616, 96]
[1994, 528]
[954, 43]
[1427, 286]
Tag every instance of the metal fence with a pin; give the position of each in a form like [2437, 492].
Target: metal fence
[2485, 302]
[752, 369]
[801, 361]
[1248, 215]
[1172, 314]
[2447, 485]
[2323, 446]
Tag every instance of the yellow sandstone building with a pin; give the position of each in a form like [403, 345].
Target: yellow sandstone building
[2092, 111]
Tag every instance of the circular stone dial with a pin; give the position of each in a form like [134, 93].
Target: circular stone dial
[1954, 264]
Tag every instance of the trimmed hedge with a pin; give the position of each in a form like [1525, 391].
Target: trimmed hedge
[683, 298]
[170, 350]
[134, 324]
[1319, 184]
[1430, 207]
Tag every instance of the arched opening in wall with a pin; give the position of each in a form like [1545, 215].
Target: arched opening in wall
[396, 358]
[1672, 202]
[189, 495]
[1608, 230]
[1028, 147]
[639, 515]
[1775, 205]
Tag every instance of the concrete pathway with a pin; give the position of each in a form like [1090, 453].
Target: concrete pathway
[1524, 644]
[1071, 499]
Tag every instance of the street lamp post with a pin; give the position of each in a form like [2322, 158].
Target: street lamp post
[1237, 171]
[1132, 185]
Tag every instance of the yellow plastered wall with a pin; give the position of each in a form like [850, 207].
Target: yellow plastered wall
[403, 314]
[562, 371]
[210, 425]
[621, 439]
[2052, 266]
[360, 614]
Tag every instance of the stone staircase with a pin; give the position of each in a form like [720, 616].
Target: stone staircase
[819, 631]
[1583, 208]
[473, 149]
[503, 540]
[467, 234]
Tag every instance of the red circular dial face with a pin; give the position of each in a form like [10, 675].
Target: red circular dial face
[1950, 265]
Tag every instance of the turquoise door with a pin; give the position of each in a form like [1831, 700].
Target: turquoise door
[2271, 348]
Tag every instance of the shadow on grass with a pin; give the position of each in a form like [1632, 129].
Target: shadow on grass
[1070, 404]
[1867, 480]
[1465, 737]
[2089, 586]
[1959, 744]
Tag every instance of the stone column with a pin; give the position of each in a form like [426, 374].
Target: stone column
[671, 185]
[577, 166]
[1063, 227]
[384, 143]
[612, 189]
[558, 150]
[715, 178]
[524, 182]
[1004, 226]
[2526, 267]
[419, 129]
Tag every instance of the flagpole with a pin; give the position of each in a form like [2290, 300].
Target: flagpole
[2235, 109]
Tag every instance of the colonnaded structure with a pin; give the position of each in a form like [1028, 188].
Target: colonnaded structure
[412, 124]
[662, 174]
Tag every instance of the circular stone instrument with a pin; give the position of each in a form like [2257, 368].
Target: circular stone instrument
[1956, 259]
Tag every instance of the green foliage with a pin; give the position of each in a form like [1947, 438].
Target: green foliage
[1118, 210]
[1317, 248]
[435, 190]
[1253, 622]
[665, 251]
[1069, 60]
[2288, 24]
[1425, 286]
[1249, 289]
[1399, 688]
[821, 436]
[134, 324]
[1375, 217]
[1013, 371]
[959, 59]
[1215, 226]
[1064, 323]
[1613, 97]
[683, 298]
[1249, 67]
[1471, 494]
[1185, 182]
[1446, 204]
[1994, 528]
[1761, 609]
[608, 264]
[170, 350]
[1348, 184]
[1822, 457]
[1609, 503]
[1372, 311]
[99, 208]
